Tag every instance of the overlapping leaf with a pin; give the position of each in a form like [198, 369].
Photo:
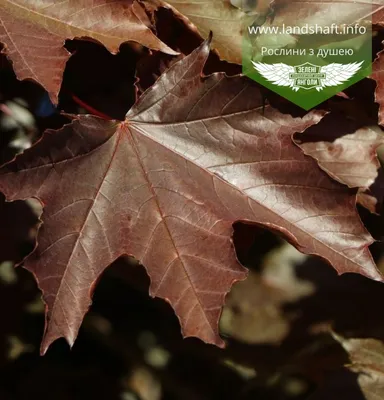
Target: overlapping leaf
[367, 356]
[194, 155]
[324, 13]
[378, 16]
[219, 16]
[317, 13]
[254, 310]
[34, 32]
[378, 76]
[363, 378]
[350, 159]
[228, 22]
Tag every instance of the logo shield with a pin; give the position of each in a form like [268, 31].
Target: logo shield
[307, 76]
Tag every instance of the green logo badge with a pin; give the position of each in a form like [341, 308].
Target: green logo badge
[307, 64]
[307, 76]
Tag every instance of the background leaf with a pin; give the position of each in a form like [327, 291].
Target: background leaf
[34, 33]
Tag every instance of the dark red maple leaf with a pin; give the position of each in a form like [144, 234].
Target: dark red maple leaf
[377, 75]
[347, 151]
[194, 155]
[378, 16]
[34, 33]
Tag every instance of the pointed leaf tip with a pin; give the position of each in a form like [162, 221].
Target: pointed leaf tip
[210, 37]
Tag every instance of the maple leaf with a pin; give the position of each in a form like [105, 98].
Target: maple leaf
[228, 22]
[348, 153]
[378, 16]
[34, 32]
[378, 76]
[254, 309]
[367, 357]
[300, 12]
[350, 159]
[194, 155]
[225, 21]
[366, 372]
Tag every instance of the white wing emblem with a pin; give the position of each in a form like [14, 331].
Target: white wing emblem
[276, 73]
[330, 75]
[336, 74]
